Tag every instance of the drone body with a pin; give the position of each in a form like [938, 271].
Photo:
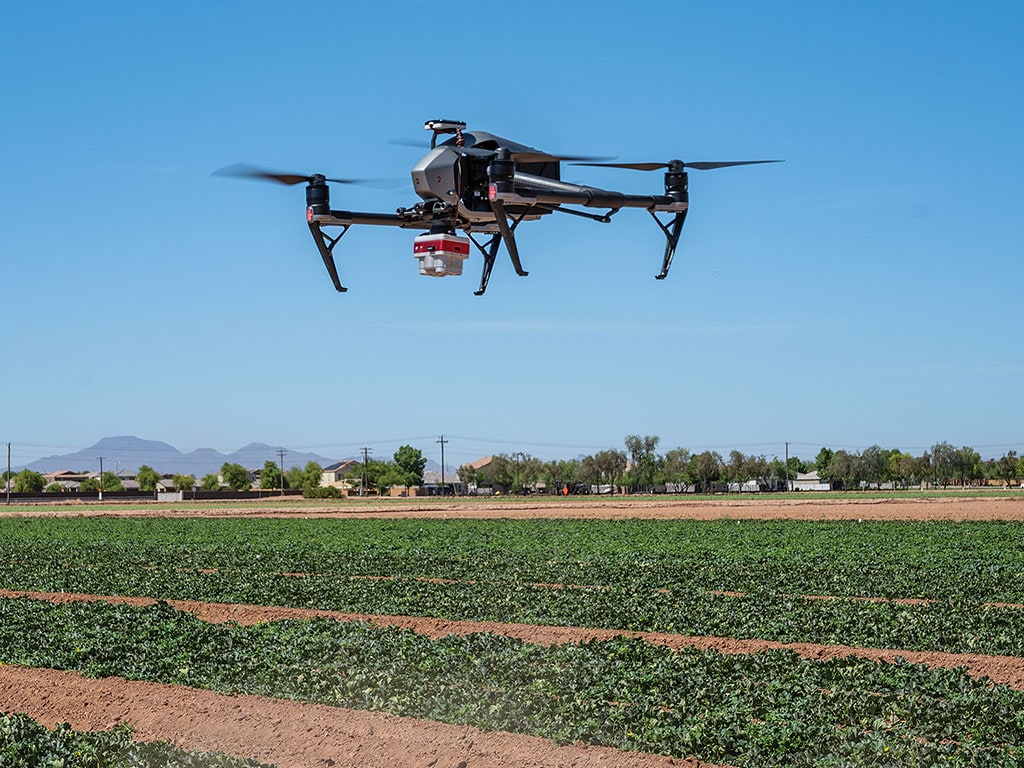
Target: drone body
[486, 185]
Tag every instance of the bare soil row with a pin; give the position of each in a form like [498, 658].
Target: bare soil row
[1009, 507]
[289, 733]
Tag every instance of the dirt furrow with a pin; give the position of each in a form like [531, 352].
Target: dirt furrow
[289, 733]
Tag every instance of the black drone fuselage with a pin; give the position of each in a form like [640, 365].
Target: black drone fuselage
[482, 184]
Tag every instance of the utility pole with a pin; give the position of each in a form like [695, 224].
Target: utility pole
[787, 468]
[101, 478]
[8, 482]
[442, 441]
[280, 455]
[366, 460]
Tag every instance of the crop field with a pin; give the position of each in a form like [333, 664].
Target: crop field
[434, 638]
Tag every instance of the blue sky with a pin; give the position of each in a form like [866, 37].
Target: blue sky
[865, 291]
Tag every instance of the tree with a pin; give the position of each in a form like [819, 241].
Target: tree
[235, 476]
[312, 474]
[822, 461]
[644, 460]
[210, 482]
[28, 481]
[874, 463]
[846, 468]
[112, 482]
[380, 475]
[467, 475]
[1006, 467]
[558, 474]
[305, 477]
[735, 468]
[757, 468]
[270, 476]
[500, 472]
[967, 465]
[603, 467]
[901, 467]
[943, 460]
[184, 482]
[409, 464]
[147, 478]
[779, 472]
[674, 465]
[707, 468]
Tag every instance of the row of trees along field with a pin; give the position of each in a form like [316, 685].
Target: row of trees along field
[640, 467]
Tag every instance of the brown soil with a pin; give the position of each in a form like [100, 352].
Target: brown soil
[288, 733]
[297, 735]
[1009, 507]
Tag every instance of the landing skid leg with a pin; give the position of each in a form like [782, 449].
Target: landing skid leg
[672, 231]
[490, 251]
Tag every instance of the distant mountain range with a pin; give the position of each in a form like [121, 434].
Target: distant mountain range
[129, 453]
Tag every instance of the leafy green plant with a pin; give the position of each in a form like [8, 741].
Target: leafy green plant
[25, 743]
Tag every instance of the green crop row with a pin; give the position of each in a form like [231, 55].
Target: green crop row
[24, 743]
[983, 562]
[749, 710]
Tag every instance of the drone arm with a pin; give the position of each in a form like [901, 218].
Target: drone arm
[345, 219]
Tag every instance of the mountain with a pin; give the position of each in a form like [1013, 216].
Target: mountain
[129, 453]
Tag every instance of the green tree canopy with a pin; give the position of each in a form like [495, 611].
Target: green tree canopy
[147, 478]
[235, 476]
[112, 482]
[270, 477]
[184, 482]
[381, 475]
[409, 464]
[28, 481]
[209, 482]
[643, 458]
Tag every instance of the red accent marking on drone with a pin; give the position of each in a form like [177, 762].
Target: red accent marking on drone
[432, 246]
[309, 214]
[492, 192]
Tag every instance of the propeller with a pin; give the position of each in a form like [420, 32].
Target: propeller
[523, 155]
[244, 171]
[707, 166]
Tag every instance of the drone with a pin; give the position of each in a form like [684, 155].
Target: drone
[486, 186]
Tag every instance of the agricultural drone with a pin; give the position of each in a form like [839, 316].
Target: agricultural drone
[486, 186]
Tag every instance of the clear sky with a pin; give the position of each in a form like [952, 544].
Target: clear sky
[868, 290]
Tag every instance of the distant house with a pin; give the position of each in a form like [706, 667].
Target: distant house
[809, 481]
[68, 480]
[333, 476]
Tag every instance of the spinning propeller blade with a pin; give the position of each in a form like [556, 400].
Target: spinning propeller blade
[706, 166]
[244, 171]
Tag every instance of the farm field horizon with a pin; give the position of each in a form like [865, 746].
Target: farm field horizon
[729, 631]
